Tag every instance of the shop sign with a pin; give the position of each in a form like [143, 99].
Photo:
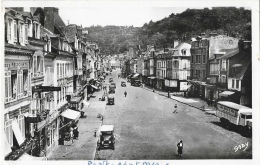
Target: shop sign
[183, 86]
[227, 110]
[17, 64]
[46, 89]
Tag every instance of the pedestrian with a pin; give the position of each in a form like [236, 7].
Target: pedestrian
[75, 133]
[180, 148]
[125, 93]
[71, 134]
[175, 107]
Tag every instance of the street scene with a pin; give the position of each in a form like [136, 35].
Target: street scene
[178, 87]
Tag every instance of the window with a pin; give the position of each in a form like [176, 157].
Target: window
[223, 66]
[58, 67]
[15, 31]
[37, 66]
[21, 124]
[233, 83]
[26, 34]
[203, 59]
[237, 84]
[198, 74]
[9, 30]
[9, 132]
[192, 59]
[8, 87]
[203, 74]
[197, 58]
[175, 64]
[21, 34]
[36, 30]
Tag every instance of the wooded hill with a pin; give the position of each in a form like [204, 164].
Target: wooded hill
[230, 21]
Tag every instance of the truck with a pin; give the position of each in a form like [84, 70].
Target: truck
[235, 116]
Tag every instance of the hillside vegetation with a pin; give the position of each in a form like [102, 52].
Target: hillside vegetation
[231, 21]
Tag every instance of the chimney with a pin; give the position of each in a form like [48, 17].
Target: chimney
[242, 45]
[56, 10]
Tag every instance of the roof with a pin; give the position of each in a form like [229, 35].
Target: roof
[242, 59]
[233, 105]
[229, 53]
[70, 32]
[105, 128]
[46, 32]
[58, 21]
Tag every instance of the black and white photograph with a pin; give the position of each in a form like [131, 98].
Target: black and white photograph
[135, 81]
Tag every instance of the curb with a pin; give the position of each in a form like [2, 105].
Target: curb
[176, 100]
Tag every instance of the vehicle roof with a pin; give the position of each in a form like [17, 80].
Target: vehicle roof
[75, 99]
[106, 128]
[246, 111]
[233, 105]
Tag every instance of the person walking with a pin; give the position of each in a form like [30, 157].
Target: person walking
[125, 93]
[71, 134]
[180, 148]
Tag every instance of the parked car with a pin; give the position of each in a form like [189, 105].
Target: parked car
[106, 137]
[111, 80]
[111, 99]
[111, 89]
[137, 83]
[113, 84]
[123, 84]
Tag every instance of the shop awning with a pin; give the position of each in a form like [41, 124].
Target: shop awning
[7, 147]
[71, 114]
[93, 86]
[136, 75]
[86, 103]
[17, 132]
[26, 157]
[226, 93]
[152, 77]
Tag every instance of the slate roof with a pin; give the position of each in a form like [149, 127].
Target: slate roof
[230, 53]
[70, 32]
[243, 58]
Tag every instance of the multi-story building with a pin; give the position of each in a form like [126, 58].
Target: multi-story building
[178, 67]
[201, 50]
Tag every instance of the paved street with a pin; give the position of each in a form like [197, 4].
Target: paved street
[146, 128]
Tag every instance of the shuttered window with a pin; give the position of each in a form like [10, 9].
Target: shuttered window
[15, 32]
[26, 33]
[9, 30]
[9, 132]
[8, 88]
[29, 83]
[58, 73]
[19, 84]
[21, 124]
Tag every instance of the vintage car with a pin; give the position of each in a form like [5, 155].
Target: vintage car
[113, 84]
[111, 99]
[111, 89]
[136, 83]
[106, 137]
[111, 80]
[123, 84]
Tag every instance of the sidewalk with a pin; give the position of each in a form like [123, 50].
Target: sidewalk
[193, 102]
[83, 148]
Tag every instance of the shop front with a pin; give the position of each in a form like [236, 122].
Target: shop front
[171, 85]
[68, 119]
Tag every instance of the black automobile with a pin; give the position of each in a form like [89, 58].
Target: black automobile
[137, 83]
[123, 84]
[106, 138]
[111, 80]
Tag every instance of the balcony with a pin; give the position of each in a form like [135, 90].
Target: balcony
[39, 117]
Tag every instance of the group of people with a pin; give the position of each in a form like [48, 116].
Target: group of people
[74, 133]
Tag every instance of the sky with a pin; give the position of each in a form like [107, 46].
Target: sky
[123, 16]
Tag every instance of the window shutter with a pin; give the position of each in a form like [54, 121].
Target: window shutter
[21, 84]
[26, 33]
[29, 83]
[20, 33]
[58, 70]
[38, 31]
[9, 30]
[6, 87]
[15, 32]
[18, 85]
[9, 86]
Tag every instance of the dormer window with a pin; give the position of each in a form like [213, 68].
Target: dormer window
[29, 30]
[10, 31]
[21, 34]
